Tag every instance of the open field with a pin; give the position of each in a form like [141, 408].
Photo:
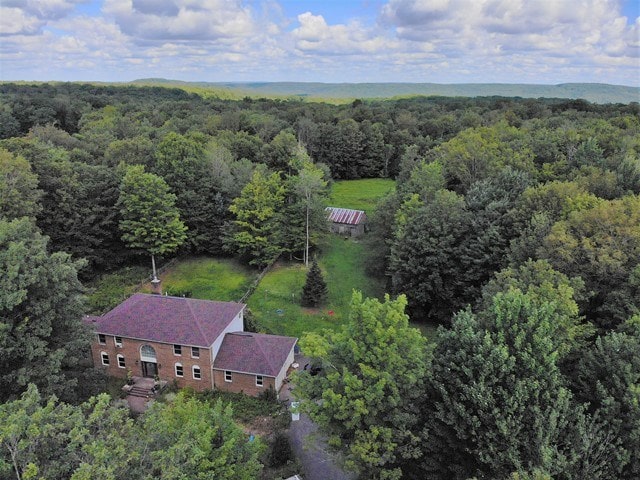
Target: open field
[223, 279]
[275, 304]
[360, 194]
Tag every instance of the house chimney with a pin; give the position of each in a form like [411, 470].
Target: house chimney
[156, 286]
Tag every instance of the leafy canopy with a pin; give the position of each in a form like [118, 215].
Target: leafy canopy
[150, 220]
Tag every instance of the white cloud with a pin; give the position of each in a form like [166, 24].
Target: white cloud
[14, 21]
[503, 32]
[44, 9]
[188, 20]
[314, 35]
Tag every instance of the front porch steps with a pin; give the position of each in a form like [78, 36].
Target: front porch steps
[144, 387]
[143, 392]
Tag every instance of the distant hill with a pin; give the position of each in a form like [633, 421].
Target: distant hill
[593, 92]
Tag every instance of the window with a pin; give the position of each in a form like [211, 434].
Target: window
[196, 372]
[121, 363]
[117, 341]
[259, 381]
[227, 376]
[148, 354]
[179, 370]
[195, 352]
[177, 349]
[102, 339]
[105, 358]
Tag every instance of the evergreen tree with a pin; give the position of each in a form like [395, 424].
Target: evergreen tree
[314, 291]
[497, 403]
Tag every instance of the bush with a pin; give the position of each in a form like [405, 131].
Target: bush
[112, 288]
[280, 450]
[268, 395]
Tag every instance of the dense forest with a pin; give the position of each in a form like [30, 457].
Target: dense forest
[515, 225]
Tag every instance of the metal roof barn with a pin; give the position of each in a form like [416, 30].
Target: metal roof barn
[345, 215]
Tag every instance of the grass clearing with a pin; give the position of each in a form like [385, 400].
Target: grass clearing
[207, 278]
[360, 194]
[275, 303]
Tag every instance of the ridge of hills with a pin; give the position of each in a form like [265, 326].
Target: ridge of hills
[592, 92]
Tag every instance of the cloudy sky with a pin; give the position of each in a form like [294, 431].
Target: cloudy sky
[441, 41]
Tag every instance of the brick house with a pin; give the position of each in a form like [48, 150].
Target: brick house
[196, 343]
[345, 221]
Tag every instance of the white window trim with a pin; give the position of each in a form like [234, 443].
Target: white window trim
[193, 372]
[103, 336]
[261, 377]
[104, 355]
[175, 369]
[116, 343]
[228, 373]
[118, 358]
[174, 350]
[194, 356]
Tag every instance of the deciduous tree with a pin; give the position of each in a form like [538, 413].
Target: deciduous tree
[367, 398]
[19, 194]
[150, 220]
[42, 336]
[602, 246]
[496, 399]
[255, 228]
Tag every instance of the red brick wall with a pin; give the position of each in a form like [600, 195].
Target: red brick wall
[242, 383]
[165, 359]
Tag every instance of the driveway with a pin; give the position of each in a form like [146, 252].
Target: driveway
[309, 446]
[311, 449]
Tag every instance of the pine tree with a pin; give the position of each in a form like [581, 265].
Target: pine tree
[314, 291]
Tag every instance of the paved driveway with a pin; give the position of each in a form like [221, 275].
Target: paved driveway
[309, 446]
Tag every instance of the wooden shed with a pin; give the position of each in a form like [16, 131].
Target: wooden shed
[345, 221]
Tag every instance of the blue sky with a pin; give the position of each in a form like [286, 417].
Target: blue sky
[440, 41]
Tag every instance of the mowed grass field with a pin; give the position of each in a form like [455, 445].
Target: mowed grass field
[223, 279]
[360, 194]
[207, 278]
[275, 304]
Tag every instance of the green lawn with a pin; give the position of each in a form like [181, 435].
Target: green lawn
[275, 303]
[360, 194]
[207, 278]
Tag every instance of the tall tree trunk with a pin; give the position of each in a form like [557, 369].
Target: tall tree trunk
[306, 246]
[153, 264]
